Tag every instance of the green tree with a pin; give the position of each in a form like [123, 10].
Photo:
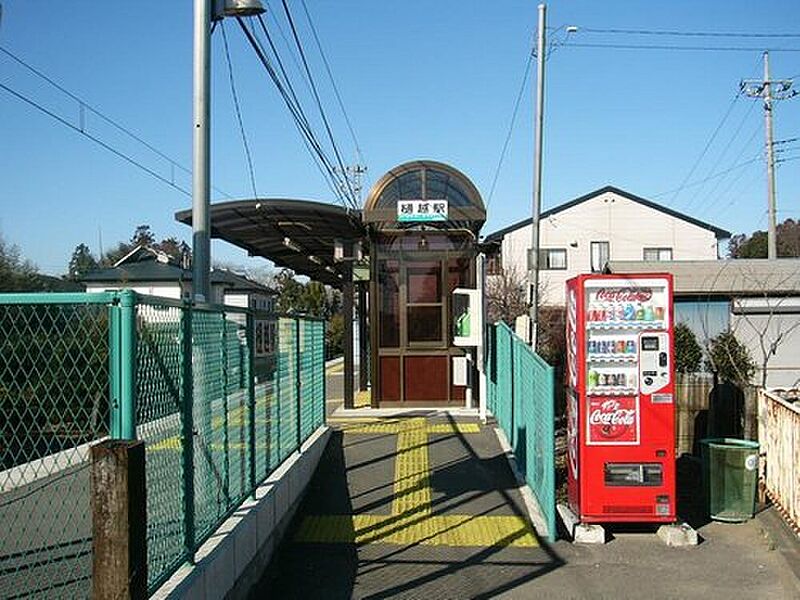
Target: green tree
[688, 353]
[730, 359]
[16, 273]
[787, 240]
[81, 262]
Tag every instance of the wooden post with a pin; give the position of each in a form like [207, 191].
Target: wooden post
[363, 337]
[119, 520]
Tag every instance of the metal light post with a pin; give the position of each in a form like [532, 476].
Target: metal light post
[204, 12]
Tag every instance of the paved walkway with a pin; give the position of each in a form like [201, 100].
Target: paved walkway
[428, 508]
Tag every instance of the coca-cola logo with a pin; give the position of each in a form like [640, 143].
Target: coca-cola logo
[610, 413]
[624, 294]
[613, 420]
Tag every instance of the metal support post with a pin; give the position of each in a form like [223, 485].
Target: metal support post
[363, 338]
[187, 432]
[251, 398]
[123, 365]
[298, 385]
[347, 309]
[533, 266]
[201, 223]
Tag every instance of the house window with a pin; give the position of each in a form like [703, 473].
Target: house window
[656, 254]
[494, 264]
[553, 259]
[600, 255]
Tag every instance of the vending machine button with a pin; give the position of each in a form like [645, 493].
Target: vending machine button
[662, 359]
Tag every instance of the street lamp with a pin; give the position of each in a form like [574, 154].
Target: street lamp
[204, 12]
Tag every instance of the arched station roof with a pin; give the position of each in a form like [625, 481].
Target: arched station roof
[425, 180]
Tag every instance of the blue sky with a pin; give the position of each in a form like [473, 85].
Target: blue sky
[419, 80]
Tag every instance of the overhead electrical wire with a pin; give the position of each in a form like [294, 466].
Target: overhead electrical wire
[510, 129]
[727, 34]
[96, 140]
[315, 149]
[235, 95]
[333, 83]
[352, 195]
[713, 168]
[710, 177]
[674, 47]
[82, 103]
[705, 149]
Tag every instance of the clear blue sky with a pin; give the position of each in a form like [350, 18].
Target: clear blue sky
[419, 79]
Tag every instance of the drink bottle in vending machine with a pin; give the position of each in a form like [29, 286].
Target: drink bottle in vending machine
[620, 398]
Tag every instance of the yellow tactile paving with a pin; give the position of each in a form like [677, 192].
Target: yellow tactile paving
[411, 521]
[412, 491]
[443, 530]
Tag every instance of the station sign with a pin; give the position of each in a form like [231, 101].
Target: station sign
[409, 211]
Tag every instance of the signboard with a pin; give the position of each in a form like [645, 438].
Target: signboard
[612, 420]
[409, 211]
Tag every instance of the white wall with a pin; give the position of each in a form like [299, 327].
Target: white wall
[628, 226]
[767, 320]
[164, 290]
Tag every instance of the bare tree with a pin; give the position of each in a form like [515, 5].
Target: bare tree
[506, 295]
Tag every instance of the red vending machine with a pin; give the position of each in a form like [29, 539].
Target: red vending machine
[620, 398]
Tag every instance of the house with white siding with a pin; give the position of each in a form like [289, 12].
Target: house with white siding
[584, 234]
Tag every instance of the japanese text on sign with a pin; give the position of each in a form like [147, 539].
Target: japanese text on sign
[421, 210]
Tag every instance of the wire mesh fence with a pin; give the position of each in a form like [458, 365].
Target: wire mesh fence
[78, 368]
[521, 397]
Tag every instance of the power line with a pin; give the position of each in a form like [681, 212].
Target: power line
[96, 140]
[705, 149]
[672, 47]
[725, 150]
[510, 128]
[307, 135]
[235, 96]
[726, 34]
[290, 20]
[83, 105]
[333, 83]
[709, 178]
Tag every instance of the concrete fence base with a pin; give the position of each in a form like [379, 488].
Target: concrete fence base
[233, 559]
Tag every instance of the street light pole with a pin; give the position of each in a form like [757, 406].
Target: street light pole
[533, 259]
[201, 223]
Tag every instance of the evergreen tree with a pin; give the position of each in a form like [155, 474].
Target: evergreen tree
[81, 262]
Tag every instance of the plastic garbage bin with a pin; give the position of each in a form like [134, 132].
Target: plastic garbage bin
[730, 475]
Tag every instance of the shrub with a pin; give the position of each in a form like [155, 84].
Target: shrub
[730, 359]
[688, 353]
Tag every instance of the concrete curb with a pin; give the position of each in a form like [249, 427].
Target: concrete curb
[233, 559]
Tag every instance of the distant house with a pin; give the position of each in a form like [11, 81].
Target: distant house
[584, 234]
[757, 299]
[152, 272]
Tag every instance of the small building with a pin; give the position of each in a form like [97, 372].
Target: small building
[150, 271]
[609, 224]
[757, 299]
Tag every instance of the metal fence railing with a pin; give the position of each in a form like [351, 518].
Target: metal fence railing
[77, 368]
[521, 397]
[779, 437]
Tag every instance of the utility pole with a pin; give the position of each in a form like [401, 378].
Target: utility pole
[533, 257]
[763, 89]
[201, 189]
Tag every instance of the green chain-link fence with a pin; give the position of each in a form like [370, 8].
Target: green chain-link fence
[520, 396]
[77, 368]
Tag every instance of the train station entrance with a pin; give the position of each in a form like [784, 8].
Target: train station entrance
[403, 256]
[423, 220]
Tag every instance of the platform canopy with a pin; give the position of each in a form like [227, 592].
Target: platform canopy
[297, 234]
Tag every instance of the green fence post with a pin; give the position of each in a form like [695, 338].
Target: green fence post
[187, 407]
[251, 398]
[324, 377]
[123, 366]
[277, 388]
[226, 453]
[298, 383]
[512, 438]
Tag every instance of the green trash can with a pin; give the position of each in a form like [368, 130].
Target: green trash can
[730, 475]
